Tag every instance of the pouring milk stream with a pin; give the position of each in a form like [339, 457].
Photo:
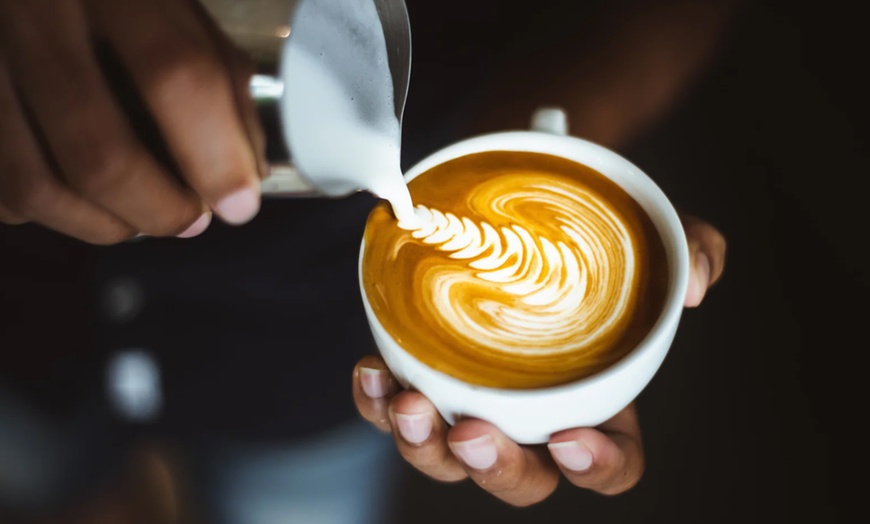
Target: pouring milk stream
[338, 109]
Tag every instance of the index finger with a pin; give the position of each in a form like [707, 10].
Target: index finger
[184, 82]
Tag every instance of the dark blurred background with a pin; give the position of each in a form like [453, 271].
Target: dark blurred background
[745, 420]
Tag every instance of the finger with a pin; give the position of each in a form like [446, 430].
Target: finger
[184, 83]
[10, 218]
[241, 69]
[706, 257]
[373, 386]
[421, 437]
[96, 151]
[29, 191]
[518, 475]
[608, 459]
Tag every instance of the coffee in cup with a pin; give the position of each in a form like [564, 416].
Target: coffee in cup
[524, 270]
[540, 288]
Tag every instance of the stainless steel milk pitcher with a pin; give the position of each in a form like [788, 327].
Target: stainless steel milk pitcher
[268, 29]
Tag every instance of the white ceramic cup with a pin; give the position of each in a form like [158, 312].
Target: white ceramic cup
[531, 416]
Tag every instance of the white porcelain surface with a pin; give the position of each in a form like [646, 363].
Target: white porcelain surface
[531, 416]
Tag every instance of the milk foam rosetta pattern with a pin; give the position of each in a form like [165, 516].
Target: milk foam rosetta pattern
[548, 295]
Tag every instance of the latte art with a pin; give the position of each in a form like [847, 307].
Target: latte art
[556, 296]
[520, 278]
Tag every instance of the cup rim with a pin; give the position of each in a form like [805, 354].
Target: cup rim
[678, 271]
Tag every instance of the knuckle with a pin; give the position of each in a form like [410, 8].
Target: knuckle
[98, 171]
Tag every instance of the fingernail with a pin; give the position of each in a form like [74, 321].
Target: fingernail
[239, 207]
[698, 285]
[414, 428]
[698, 280]
[702, 268]
[572, 454]
[197, 227]
[374, 382]
[478, 453]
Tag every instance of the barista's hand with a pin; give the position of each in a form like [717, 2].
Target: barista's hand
[608, 459]
[70, 158]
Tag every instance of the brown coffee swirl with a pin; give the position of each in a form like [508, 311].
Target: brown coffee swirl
[524, 271]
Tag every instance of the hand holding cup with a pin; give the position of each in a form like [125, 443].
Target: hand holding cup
[452, 422]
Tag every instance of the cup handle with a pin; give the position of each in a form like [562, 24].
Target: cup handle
[552, 120]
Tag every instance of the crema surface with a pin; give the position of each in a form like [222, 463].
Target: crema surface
[523, 270]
